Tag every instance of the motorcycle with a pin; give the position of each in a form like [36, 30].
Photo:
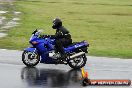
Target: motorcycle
[43, 50]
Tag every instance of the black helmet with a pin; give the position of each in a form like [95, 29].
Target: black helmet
[56, 23]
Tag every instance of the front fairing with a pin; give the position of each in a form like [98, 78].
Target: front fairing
[51, 41]
[42, 43]
[33, 37]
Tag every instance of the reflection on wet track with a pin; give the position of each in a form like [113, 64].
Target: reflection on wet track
[35, 77]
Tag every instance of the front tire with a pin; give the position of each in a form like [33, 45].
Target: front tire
[30, 59]
[78, 62]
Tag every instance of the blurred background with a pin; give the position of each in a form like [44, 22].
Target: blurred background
[105, 24]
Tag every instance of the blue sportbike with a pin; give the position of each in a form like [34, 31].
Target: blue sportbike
[43, 50]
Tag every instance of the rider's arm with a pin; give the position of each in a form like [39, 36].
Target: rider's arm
[49, 36]
[57, 35]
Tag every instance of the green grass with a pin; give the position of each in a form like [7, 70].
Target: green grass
[105, 24]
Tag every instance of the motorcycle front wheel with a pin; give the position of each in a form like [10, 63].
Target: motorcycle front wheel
[30, 59]
[78, 62]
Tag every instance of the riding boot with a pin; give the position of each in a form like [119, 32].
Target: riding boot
[63, 56]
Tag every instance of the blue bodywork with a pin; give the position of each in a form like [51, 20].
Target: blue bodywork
[43, 45]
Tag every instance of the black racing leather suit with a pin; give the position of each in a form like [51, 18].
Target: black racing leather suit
[62, 39]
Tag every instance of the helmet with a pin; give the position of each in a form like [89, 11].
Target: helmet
[57, 23]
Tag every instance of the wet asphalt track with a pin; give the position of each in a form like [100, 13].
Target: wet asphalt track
[13, 74]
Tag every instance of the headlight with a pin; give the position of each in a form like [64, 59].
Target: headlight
[34, 43]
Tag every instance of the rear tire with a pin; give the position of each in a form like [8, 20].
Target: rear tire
[74, 60]
[28, 59]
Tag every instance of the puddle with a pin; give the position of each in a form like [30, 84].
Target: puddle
[2, 19]
[9, 17]
[15, 19]
[17, 13]
[10, 24]
[3, 34]
[2, 12]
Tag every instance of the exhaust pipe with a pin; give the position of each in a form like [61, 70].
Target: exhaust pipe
[77, 54]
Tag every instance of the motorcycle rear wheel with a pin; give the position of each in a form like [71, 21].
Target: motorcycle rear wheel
[30, 59]
[74, 63]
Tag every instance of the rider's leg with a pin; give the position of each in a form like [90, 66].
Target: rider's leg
[59, 47]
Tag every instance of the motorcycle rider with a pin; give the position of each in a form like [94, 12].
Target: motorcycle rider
[62, 37]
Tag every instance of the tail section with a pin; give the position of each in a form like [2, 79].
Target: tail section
[79, 45]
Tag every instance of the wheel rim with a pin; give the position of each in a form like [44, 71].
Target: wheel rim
[31, 58]
[77, 61]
